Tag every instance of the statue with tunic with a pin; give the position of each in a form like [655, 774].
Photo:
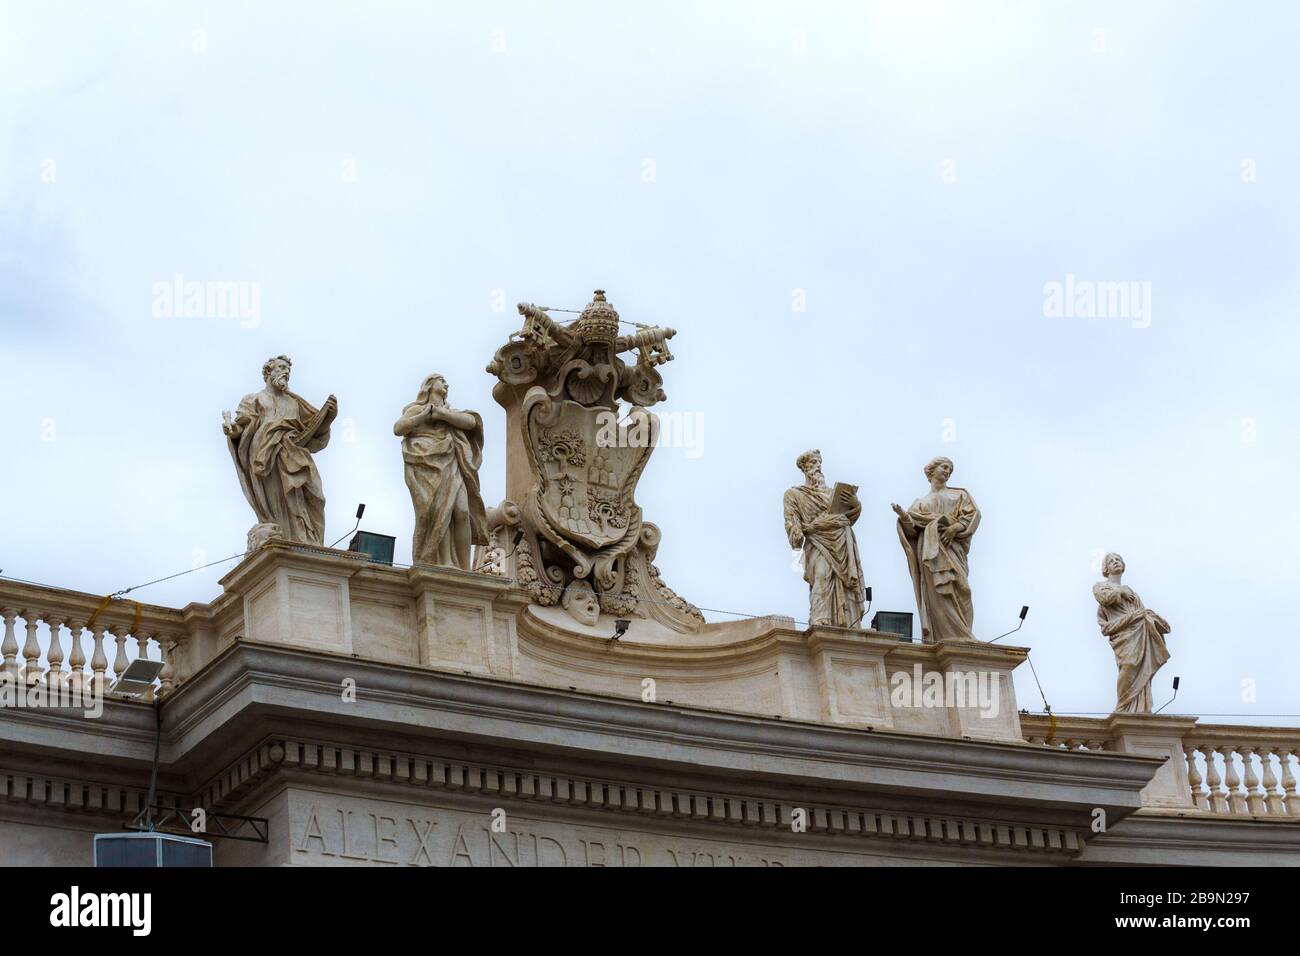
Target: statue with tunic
[442, 449]
[1137, 636]
[936, 532]
[272, 438]
[820, 520]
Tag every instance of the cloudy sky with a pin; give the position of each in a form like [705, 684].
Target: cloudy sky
[853, 214]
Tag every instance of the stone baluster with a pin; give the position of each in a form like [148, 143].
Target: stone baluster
[1194, 780]
[98, 660]
[1236, 796]
[167, 676]
[142, 653]
[1218, 800]
[76, 656]
[31, 647]
[54, 653]
[1254, 799]
[1289, 781]
[120, 632]
[1272, 796]
[10, 646]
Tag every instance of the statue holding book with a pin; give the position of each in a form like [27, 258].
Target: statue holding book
[820, 520]
[272, 438]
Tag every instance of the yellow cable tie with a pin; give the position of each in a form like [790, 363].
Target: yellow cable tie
[102, 604]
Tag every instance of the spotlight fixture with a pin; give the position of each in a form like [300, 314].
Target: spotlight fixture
[620, 628]
[1171, 699]
[137, 678]
[1024, 612]
[866, 610]
[514, 543]
[361, 509]
[894, 622]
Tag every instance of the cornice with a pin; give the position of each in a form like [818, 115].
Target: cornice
[305, 685]
[286, 761]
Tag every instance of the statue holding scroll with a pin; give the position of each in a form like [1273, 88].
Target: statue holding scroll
[442, 449]
[272, 438]
[820, 521]
[936, 534]
[1137, 636]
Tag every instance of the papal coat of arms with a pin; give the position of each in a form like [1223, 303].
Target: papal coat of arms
[579, 538]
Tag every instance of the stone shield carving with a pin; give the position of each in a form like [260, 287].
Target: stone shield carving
[586, 466]
[570, 531]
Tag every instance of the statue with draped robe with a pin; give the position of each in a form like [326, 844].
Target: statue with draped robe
[1137, 636]
[442, 449]
[823, 527]
[936, 533]
[272, 438]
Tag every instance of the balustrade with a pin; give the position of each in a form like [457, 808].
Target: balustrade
[1244, 771]
[50, 647]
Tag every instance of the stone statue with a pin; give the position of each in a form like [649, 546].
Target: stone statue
[573, 462]
[820, 521]
[272, 438]
[1137, 636]
[442, 449]
[936, 533]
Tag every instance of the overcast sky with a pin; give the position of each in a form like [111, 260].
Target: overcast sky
[849, 212]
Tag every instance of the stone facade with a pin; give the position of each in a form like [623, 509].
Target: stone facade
[379, 716]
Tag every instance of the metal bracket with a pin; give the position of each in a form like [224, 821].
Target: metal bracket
[221, 826]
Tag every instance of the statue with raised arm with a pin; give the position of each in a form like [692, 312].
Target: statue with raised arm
[442, 449]
[1137, 636]
[272, 438]
[820, 521]
[936, 534]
